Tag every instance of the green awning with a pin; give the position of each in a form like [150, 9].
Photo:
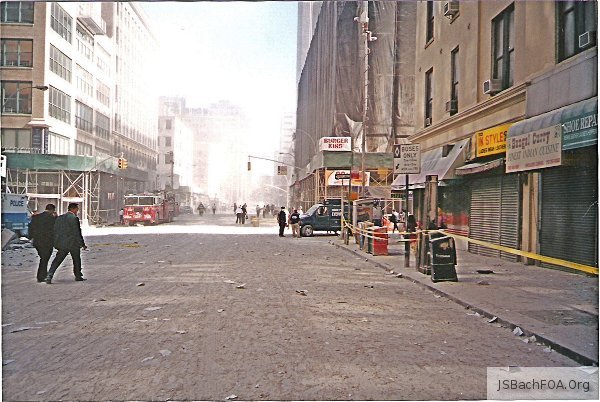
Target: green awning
[579, 123]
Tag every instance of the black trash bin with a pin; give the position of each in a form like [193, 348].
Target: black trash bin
[443, 258]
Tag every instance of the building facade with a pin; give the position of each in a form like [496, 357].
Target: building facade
[74, 99]
[501, 90]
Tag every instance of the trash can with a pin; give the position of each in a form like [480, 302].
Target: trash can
[442, 258]
[380, 241]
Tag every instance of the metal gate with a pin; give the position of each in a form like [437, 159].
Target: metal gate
[494, 215]
[569, 214]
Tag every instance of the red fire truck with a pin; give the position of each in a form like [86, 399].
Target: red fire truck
[149, 209]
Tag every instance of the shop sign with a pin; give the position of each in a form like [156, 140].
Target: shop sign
[334, 144]
[535, 150]
[580, 131]
[491, 141]
[341, 178]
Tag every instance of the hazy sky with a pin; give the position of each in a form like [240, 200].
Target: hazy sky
[244, 52]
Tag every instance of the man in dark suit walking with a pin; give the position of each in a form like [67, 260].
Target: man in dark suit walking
[68, 240]
[41, 231]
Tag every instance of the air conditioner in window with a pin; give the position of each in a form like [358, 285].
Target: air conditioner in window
[451, 8]
[428, 122]
[587, 39]
[452, 106]
[492, 86]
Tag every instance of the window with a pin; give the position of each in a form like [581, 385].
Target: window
[454, 81]
[60, 105]
[575, 18]
[168, 124]
[102, 58]
[167, 141]
[58, 144]
[17, 53]
[102, 93]
[85, 43]
[16, 97]
[83, 117]
[429, 22]
[60, 64]
[17, 11]
[102, 126]
[428, 97]
[503, 36]
[85, 81]
[13, 139]
[61, 22]
[81, 148]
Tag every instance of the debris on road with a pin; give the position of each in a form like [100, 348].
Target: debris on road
[548, 349]
[21, 329]
[485, 271]
[517, 331]
[147, 359]
[164, 352]
[220, 310]
[6, 325]
[141, 284]
[493, 319]
[230, 281]
[181, 332]
[160, 261]
[484, 283]
[46, 322]
[152, 308]
[399, 276]
[230, 397]
[369, 286]
[242, 286]
[99, 300]
[302, 292]
[5, 362]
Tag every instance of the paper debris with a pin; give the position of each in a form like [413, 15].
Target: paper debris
[230, 397]
[141, 284]
[147, 359]
[230, 281]
[242, 286]
[164, 352]
[302, 292]
[152, 308]
[517, 331]
[20, 329]
[493, 319]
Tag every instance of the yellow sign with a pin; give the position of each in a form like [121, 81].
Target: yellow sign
[492, 141]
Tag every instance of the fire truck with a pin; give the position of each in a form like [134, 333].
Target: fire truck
[149, 209]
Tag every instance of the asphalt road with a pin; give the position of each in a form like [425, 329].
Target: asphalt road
[202, 309]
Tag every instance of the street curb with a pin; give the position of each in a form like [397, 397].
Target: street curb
[563, 350]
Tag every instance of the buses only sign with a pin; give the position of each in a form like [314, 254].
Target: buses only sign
[407, 158]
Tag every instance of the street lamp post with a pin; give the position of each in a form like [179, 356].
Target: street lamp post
[18, 91]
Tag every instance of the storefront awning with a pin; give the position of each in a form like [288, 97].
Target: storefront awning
[579, 123]
[478, 167]
[434, 163]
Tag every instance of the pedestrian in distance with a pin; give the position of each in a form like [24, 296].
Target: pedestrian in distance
[245, 215]
[214, 208]
[295, 223]
[41, 231]
[265, 210]
[68, 240]
[121, 221]
[235, 207]
[300, 211]
[395, 218]
[282, 221]
[238, 215]
[257, 211]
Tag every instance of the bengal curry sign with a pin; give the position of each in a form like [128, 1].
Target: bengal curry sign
[491, 141]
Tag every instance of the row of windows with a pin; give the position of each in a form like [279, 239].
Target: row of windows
[20, 139]
[59, 106]
[85, 81]
[61, 22]
[574, 19]
[85, 43]
[16, 53]
[20, 12]
[84, 116]
[60, 63]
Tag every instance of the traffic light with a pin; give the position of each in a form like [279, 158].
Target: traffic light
[122, 163]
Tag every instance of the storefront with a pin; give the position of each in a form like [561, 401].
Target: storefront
[561, 147]
[494, 212]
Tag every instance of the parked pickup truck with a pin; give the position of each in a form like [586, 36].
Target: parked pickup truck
[325, 216]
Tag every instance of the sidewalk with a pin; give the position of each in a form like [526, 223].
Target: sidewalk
[559, 308]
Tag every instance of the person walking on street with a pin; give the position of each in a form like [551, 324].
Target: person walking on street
[257, 211]
[395, 218]
[295, 223]
[214, 208]
[121, 221]
[235, 207]
[238, 215]
[41, 231]
[245, 213]
[68, 240]
[281, 220]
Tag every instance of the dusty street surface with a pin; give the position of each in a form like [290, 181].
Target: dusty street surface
[190, 333]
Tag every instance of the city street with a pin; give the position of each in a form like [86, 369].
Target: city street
[203, 309]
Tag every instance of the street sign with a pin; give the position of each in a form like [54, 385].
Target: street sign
[342, 176]
[407, 158]
[282, 170]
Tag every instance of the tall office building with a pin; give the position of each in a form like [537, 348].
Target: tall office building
[76, 94]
